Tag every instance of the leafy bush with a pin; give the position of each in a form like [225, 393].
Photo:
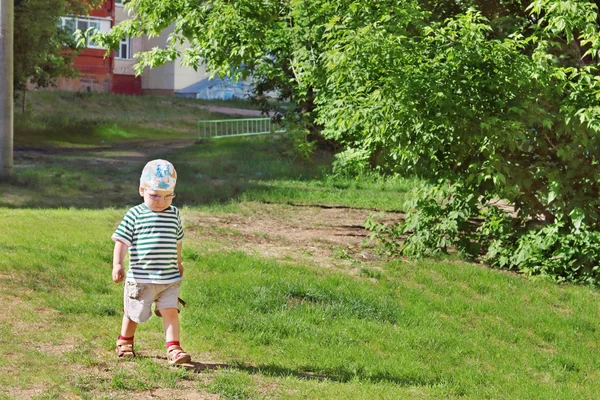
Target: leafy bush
[511, 118]
[303, 147]
[549, 250]
[438, 221]
[441, 218]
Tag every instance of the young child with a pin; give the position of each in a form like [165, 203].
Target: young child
[153, 234]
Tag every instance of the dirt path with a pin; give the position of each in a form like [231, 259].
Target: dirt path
[329, 237]
[233, 111]
[118, 154]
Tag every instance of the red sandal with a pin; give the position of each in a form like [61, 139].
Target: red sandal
[176, 355]
[125, 348]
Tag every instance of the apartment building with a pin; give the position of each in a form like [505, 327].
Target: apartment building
[114, 73]
[95, 69]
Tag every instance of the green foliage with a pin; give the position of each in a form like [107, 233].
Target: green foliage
[438, 222]
[351, 162]
[565, 256]
[548, 250]
[441, 219]
[513, 117]
[302, 147]
[496, 99]
[238, 39]
[506, 16]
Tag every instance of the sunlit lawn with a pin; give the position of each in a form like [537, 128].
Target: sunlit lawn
[434, 329]
[417, 330]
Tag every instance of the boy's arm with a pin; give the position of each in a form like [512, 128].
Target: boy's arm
[118, 273]
[179, 262]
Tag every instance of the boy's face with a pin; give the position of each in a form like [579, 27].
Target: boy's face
[157, 200]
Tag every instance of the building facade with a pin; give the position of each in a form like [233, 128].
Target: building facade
[95, 69]
[124, 79]
[114, 73]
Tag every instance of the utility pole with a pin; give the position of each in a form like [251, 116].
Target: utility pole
[6, 87]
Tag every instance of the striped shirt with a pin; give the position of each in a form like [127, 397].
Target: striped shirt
[152, 239]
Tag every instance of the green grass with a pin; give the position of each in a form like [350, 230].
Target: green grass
[434, 329]
[427, 329]
[220, 171]
[84, 120]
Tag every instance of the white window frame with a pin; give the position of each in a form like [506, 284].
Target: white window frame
[126, 41]
[121, 3]
[103, 24]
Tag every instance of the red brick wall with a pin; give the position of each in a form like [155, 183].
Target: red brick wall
[85, 82]
[95, 68]
[106, 10]
[93, 61]
[127, 84]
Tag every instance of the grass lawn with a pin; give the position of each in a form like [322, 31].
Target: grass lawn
[262, 325]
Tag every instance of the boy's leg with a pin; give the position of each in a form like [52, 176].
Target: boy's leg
[137, 299]
[175, 354]
[171, 324]
[125, 340]
[128, 327]
[167, 306]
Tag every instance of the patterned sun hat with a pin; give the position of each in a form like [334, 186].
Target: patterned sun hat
[158, 175]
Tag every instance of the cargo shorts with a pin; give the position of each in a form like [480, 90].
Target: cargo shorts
[139, 297]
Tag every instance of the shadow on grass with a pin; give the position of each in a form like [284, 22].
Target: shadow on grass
[216, 171]
[195, 366]
[341, 374]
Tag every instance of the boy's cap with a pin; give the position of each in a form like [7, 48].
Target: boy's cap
[158, 175]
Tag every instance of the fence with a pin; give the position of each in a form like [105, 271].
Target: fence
[237, 127]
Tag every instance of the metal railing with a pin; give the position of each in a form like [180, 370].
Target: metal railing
[237, 127]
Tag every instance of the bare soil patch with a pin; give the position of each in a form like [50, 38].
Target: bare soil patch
[320, 235]
[233, 111]
[98, 155]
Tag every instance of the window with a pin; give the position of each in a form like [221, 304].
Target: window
[121, 3]
[83, 24]
[124, 52]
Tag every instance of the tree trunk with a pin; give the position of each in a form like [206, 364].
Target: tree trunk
[6, 87]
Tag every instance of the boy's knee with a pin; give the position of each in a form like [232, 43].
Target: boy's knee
[138, 314]
[167, 312]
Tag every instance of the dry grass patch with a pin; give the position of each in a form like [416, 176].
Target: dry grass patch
[321, 236]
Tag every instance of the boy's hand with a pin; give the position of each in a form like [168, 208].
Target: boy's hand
[118, 273]
[180, 266]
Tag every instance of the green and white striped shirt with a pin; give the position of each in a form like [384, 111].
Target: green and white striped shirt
[152, 240]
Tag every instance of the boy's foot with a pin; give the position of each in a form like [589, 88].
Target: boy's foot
[176, 356]
[125, 348]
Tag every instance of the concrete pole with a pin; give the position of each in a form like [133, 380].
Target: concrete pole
[6, 87]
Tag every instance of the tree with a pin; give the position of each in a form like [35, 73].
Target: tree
[43, 51]
[273, 41]
[235, 39]
[485, 118]
[482, 108]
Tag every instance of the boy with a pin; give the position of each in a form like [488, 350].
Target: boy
[153, 234]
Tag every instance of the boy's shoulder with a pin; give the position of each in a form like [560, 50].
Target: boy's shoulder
[142, 209]
[173, 211]
[136, 210]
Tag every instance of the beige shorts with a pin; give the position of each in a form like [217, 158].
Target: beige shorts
[139, 297]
